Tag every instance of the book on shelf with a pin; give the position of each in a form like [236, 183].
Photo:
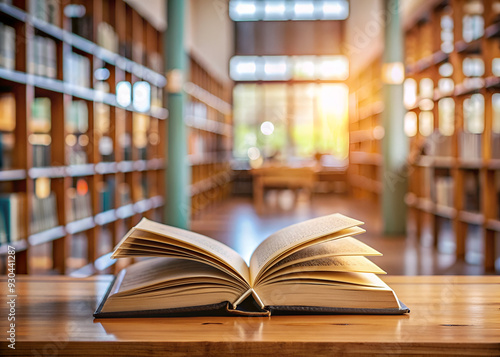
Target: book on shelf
[106, 194]
[7, 127]
[444, 191]
[42, 59]
[40, 126]
[12, 227]
[312, 267]
[43, 213]
[107, 37]
[7, 47]
[45, 10]
[76, 70]
[77, 123]
[472, 191]
[80, 202]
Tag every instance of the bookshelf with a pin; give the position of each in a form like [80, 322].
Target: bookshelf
[451, 94]
[365, 131]
[83, 158]
[209, 120]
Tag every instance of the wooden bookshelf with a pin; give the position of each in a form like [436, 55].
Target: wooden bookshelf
[122, 143]
[209, 120]
[365, 131]
[454, 172]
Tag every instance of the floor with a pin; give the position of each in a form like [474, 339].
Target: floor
[235, 222]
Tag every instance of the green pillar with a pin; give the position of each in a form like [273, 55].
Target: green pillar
[177, 177]
[394, 143]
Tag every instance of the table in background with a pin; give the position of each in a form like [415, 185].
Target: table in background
[281, 177]
[450, 315]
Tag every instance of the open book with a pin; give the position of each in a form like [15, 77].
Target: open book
[311, 267]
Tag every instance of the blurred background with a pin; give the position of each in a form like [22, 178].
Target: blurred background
[235, 118]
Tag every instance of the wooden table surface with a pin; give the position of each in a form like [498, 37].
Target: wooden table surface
[450, 315]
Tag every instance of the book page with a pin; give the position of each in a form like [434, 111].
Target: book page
[347, 246]
[329, 277]
[178, 272]
[211, 246]
[295, 235]
[340, 264]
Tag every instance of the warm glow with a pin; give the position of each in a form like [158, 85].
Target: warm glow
[426, 123]
[333, 67]
[42, 187]
[410, 124]
[446, 109]
[409, 93]
[393, 73]
[333, 110]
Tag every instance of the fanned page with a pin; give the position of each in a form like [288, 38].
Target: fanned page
[347, 246]
[189, 239]
[295, 235]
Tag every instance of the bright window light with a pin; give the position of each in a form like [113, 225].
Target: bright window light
[142, 96]
[303, 10]
[409, 93]
[393, 73]
[335, 10]
[123, 94]
[283, 68]
[446, 69]
[304, 67]
[246, 10]
[243, 68]
[410, 124]
[333, 67]
[274, 10]
[276, 68]
[267, 128]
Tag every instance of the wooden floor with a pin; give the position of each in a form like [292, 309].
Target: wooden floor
[235, 222]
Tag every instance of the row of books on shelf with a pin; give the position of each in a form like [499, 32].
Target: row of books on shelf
[43, 213]
[42, 57]
[44, 209]
[77, 70]
[470, 146]
[12, 228]
[7, 46]
[46, 10]
[444, 191]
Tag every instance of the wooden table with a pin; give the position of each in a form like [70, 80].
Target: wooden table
[282, 177]
[449, 316]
